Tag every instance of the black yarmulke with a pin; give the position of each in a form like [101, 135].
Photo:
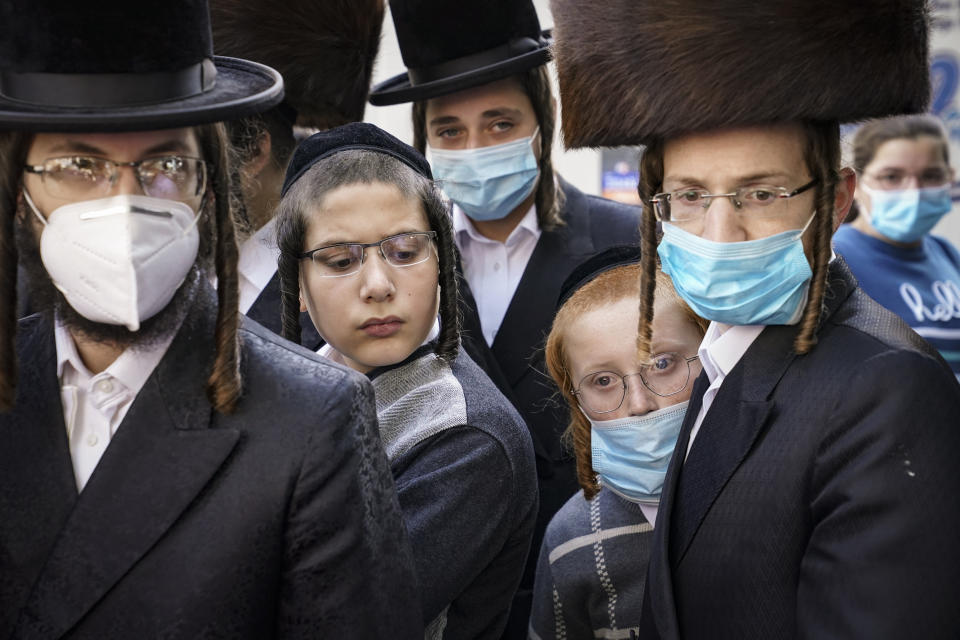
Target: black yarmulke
[616, 256]
[356, 135]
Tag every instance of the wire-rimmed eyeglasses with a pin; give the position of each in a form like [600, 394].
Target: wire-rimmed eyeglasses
[346, 258]
[180, 178]
[758, 200]
[604, 391]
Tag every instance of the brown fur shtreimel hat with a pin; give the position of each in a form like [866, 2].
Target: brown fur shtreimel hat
[632, 71]
[324, 49]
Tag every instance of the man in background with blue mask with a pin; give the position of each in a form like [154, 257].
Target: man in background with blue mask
[169, 470]
[484, 114]
[812, 492]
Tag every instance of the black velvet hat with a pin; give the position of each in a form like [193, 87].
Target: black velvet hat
[587, 271]
[120, 65]
[356, 135]
[451, 46]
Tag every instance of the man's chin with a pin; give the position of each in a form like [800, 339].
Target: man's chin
[152, 331]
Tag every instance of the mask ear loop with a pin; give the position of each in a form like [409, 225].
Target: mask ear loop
[806, 226]
[197, 214]
[33, 207]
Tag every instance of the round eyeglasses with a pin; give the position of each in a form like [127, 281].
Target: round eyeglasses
[346, 258]
[604, 391]
[756, 200]
[178, 178]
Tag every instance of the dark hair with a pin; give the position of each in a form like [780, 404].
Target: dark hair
[874, 133]
[245, 135]
[224, 385]
[536, 84]
[355, 166]
[822, 157]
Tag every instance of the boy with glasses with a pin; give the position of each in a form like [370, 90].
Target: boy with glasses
[812, 490]
[484, 115]
[169, 471]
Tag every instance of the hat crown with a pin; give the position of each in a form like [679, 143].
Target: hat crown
[118, 36]
[431, 32]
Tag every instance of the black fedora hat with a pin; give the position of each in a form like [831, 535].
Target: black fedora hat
[116, 65]
[448, 47]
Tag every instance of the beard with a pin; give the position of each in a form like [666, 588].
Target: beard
[42, 296]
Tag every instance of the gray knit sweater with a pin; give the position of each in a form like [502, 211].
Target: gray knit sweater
[463, 464]
[591, 570]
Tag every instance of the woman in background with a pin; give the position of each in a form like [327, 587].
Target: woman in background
[625, 419]
[903, 190]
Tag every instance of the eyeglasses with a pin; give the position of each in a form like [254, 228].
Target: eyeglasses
[345, 258]
[604, 391]
[895, 180]
[84, 177]
[757, 200]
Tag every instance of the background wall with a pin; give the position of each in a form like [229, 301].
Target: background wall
[585, 168]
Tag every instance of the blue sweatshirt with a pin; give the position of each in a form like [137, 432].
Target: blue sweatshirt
[920, 284]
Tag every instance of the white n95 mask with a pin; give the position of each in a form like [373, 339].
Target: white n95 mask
[119, 260]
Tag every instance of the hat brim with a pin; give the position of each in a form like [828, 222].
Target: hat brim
[242, 88]
[398, 89]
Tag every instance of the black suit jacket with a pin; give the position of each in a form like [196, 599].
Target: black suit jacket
[278, 521]
[819, 499]
[515, 361]
[266, 310]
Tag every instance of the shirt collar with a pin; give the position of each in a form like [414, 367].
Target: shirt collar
[463, 228]
[131, 369]
[724, 345]
[258, 255]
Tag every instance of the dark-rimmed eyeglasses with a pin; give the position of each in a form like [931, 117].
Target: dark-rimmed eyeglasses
[757, 200]
[346, 258]
[604, 391]
[180, 178]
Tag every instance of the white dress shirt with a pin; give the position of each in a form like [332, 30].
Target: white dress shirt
[94, 405]
[257, 263]
[722, 347]
[493, 269]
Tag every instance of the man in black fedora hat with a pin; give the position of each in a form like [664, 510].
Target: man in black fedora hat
[169, 470]
[485, 115]
[325, 53]
[812, 492]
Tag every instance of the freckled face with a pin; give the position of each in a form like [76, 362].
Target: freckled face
[383, 313]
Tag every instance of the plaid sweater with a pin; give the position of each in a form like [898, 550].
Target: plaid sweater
[591, 570]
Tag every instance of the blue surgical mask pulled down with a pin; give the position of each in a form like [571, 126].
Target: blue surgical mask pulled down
[631, 454]
[762, 281]
[490, 182]
[909, 214]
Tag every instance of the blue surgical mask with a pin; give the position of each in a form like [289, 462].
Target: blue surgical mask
[490, 182]
[631, 454]
[739, 283]
[909, 214]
